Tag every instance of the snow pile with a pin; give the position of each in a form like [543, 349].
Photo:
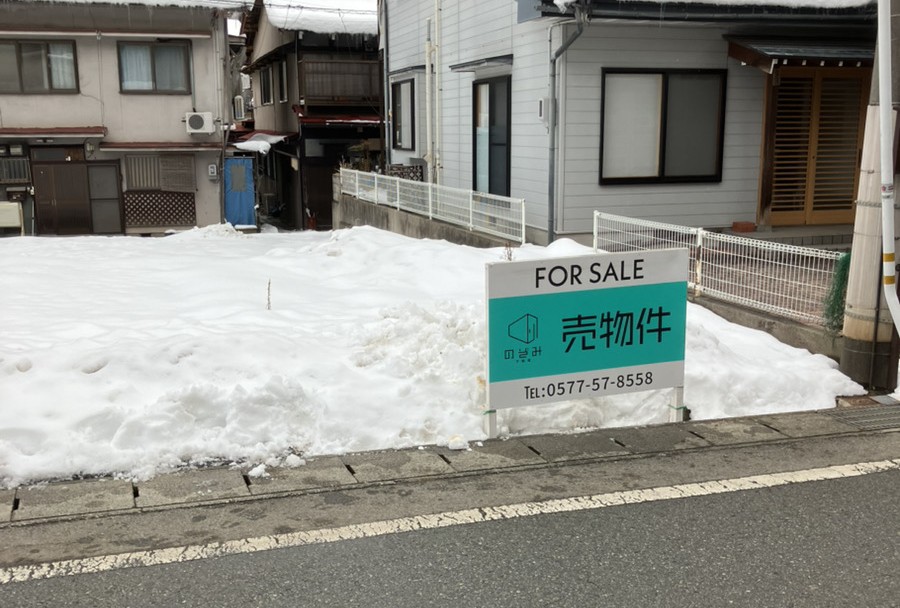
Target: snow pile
[220, 4]
[135, 356]
[325, 16]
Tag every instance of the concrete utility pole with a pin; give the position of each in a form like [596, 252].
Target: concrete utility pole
[868, 323]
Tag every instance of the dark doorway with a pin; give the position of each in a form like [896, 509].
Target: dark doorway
[106, 198]
[62, 201]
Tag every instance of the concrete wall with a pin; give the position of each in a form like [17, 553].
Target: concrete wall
[348, 211]
[814, 339]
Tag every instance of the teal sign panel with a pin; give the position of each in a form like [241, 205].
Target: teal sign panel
[579, 331]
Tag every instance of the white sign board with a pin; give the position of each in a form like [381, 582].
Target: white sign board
[585, 326]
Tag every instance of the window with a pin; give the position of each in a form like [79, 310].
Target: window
[662, 126]
[38, 67]
[154, 67]
[265, 85]
[282, 81]
[491, 153]
[166, 172]
[14, 170]
[402, 100]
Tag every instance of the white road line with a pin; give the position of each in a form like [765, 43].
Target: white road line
[440, 520]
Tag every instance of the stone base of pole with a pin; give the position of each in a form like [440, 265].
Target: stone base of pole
[868, 363]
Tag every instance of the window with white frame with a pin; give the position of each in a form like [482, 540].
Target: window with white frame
[35, 66]
[662, 126]
[265, 85]
[154, 67]
[282, 81]
[402, 114]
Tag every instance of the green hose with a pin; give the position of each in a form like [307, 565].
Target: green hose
[834, 301]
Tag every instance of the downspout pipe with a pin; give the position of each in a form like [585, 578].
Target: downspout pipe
[429, 102]
[387, 95]
[886, 118]
[551, 178]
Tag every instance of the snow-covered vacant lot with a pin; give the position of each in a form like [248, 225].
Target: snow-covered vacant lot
[135, 356]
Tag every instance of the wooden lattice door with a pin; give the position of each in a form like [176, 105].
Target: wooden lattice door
[814, 141]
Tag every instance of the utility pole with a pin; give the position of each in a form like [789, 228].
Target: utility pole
[868, 324]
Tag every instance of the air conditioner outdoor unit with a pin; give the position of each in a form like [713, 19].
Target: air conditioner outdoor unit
[239, 112]
[199, 122]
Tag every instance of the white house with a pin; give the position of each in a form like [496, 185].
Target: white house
[112, 113]
[700, 113]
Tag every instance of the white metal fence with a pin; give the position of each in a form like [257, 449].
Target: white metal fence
[780, 279]
[488, 213]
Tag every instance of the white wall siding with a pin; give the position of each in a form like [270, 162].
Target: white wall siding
[407, 32]
[718, 204]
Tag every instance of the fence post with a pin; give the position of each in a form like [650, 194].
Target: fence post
[398, 193]
[356, 175]
[471, 209]
[523, 221]
[430, 200]
[596, 228]
[698, 263]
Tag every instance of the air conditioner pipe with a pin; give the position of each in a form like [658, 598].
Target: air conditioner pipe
[429, 102]
[439, 91]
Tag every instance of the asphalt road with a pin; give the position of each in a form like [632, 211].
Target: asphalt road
[815, 544]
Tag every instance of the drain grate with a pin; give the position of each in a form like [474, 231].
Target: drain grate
[869, 418]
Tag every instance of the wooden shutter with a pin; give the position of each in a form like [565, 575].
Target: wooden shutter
[176, 173]
[790, 150]
[815, 142]
[838, 145]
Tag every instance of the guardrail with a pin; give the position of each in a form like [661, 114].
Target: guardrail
[784, 280]
[478, 211]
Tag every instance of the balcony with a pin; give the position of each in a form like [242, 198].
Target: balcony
[339, 82]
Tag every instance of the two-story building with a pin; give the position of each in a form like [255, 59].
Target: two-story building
[317, 95]
[701, 113]
[112, 113]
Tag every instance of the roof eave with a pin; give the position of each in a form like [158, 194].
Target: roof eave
[718, 13]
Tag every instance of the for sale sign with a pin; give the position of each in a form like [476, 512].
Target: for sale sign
[576, 327]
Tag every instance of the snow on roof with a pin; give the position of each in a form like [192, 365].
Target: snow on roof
[825, 4]
[324, 16]
[222, 4]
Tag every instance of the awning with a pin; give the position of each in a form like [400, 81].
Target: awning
[53, 133]
[159, 146]
[767, 54]
[480, 64]
[260, 141]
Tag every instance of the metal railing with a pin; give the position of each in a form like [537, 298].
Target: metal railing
[500, 216]
[784, 280]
